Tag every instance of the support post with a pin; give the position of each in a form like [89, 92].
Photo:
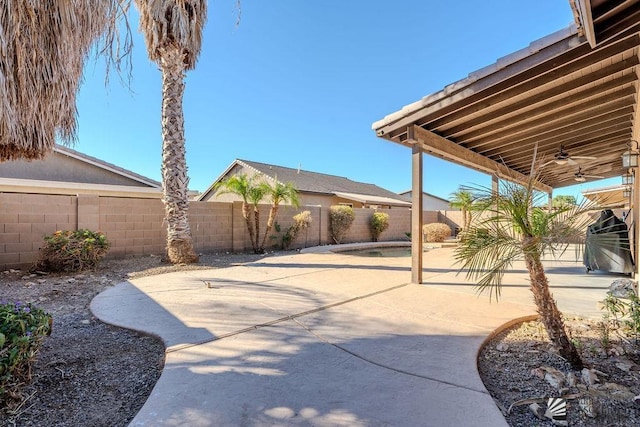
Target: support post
[550, 201]
[495, 185]
[416, 214]
[635, 215]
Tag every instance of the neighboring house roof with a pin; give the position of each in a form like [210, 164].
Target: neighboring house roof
[424, 193]
[67, 171]
[106, 166]
[319, 183]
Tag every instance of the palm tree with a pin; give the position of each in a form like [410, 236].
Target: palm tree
[173, 35]
[251, 192]
[463, 200]
[43, 49]
[514, 229]
[279, 193]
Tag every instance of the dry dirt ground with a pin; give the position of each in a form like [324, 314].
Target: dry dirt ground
[88, 373]
[520, 367]
[92, 374]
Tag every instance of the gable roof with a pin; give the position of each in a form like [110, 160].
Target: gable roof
[66, 151]
[319, 183]
[66, 171]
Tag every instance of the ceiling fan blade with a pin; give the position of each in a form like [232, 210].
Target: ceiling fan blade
[584, 157]
[594, 176]
[571, 161]
[547, 163]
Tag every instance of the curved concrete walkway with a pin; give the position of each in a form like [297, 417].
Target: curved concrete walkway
[318, 339]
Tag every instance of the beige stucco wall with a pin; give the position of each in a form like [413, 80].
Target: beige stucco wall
[62, 168]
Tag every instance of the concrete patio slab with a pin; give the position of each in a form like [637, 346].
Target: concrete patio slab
[325, 339]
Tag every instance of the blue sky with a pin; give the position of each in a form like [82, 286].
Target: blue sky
[301, 82]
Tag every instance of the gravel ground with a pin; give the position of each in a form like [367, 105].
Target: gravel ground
[88, 373]
[519, 365]
[92, 374]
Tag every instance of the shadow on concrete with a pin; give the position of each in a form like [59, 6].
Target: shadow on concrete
[126, 306]
[285, 375]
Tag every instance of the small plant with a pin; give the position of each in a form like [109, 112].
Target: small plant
[22, 328]
[378, 223]
[623, 314]
[340, 219]
[69, 251]
[604, 331]
[436, 232]
[301, 222]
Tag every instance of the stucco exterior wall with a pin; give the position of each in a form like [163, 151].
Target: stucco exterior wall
[61, 168]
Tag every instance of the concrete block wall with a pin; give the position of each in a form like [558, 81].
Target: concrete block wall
[26, 218]
[211, 226]
[133, 226]
[399, 224]
[137, 227]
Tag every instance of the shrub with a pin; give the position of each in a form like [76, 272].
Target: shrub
[436, 232]
[340, 219]
[301, 222]
[22, 328]
[70, 251]
[625, 314]
[378, 223]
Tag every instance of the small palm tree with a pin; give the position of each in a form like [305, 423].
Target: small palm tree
[173, 34]
[512, 227]
[251, 193]
[463, 200]
[279, 193]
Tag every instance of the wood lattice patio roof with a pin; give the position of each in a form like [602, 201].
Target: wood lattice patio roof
[558, 91]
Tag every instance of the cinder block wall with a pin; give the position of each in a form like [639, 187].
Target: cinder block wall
[26, 218]
[399, 224]
[133, 226]
[136, 226]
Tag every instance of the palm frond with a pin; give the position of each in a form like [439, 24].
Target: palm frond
[173, 24]
[43, 48]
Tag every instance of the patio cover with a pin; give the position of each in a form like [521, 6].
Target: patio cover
[576, 88]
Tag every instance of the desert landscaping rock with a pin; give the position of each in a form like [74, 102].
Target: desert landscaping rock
[88, 373]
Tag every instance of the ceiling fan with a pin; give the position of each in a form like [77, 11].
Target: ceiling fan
[581, 177]
[562, 158]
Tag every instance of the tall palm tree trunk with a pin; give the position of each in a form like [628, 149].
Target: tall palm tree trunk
[246, 213]
[273, 212]
[256, 217]
[174, 166]
[548, 311]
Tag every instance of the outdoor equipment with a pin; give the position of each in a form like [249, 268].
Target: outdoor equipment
[607, 245]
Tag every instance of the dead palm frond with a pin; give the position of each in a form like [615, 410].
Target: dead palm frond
[43, 49]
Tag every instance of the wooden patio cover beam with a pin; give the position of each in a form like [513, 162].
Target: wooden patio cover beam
[435, 144]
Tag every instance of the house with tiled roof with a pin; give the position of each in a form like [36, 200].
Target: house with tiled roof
[314, 188]
[69, 172]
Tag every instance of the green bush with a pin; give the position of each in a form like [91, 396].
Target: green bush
[378, 223]
[70, 251]
[436, 232]
[301, 222]
[22, 328]
[340, 219]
